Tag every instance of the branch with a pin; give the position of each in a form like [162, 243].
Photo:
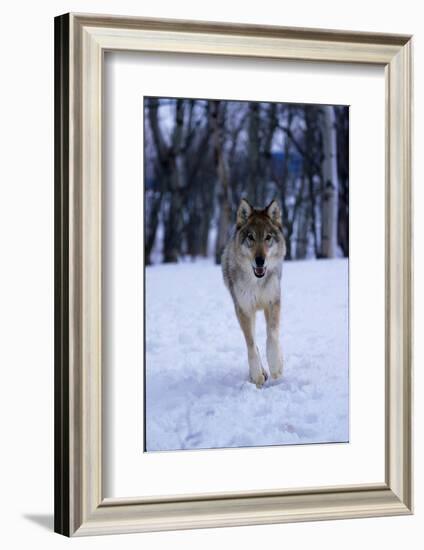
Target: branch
[300, 149]
[161, 146]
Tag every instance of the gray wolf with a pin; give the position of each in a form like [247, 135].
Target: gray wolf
[251, 265]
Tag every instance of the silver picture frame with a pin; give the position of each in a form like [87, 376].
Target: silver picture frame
[80, 506]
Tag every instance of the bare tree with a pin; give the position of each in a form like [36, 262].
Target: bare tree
[312, 169]
[283, 177]
[153, 195]
[217, 116]
[253, 191]
[169, 166]
[200, 194]
[303, 223]
[342, 117]
[179, 159]
[330, 183]
[270, 126]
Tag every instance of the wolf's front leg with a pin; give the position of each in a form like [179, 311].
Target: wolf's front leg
[273, 349]
[258, 374]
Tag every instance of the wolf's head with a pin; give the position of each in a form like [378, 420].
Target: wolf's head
[260, 237]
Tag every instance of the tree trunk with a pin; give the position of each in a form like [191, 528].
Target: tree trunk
[314, 230]
[224, 202]
[330, 184]
[266, 170]
[177, 180]
[310, 114]
[302, 225]
[204, 237]
[192, 233]
[253, 154]
[207, 213]
[285, 173]
[342, 117]
[152, 221]
[288, 238]
[173, 229]
[223, 230]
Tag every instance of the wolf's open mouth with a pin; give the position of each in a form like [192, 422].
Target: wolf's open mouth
[259, 271]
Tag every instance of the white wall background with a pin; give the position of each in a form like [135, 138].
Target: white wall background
[26, 271]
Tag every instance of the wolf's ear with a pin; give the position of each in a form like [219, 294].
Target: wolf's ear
[273, 211]
[243, 212]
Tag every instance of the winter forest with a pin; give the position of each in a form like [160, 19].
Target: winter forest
[203, 156]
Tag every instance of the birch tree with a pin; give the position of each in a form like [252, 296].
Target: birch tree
[330, 185]
[270, 126]
[253, 191]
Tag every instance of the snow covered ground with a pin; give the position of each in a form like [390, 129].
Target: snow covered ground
[197, 389]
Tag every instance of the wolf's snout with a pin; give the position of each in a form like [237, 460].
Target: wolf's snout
[259, 268]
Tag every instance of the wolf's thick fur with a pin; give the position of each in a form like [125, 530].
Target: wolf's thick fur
[251, 265]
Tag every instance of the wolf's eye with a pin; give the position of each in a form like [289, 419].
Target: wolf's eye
[268, 238]
[250, 237]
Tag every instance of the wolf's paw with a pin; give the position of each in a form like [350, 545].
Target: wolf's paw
[259, 379]
[277, 371]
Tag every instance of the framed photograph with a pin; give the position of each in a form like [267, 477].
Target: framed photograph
[233, 317]
[203, 232]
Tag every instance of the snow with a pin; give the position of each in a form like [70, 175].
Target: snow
[197, 390]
